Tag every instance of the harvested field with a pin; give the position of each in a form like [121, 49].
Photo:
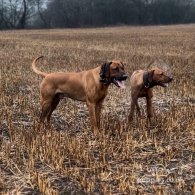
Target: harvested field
[142, 158]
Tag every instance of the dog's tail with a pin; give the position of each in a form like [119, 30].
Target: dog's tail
[43, 74]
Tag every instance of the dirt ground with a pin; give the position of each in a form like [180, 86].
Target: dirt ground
[66, 158]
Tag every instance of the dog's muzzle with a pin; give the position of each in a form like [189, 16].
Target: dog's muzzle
[165, 84]
[120, 81]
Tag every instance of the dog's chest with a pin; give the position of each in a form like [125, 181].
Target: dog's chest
[143, 92]
[101, 94]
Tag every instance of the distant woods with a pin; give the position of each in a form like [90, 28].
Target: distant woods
[21, 14]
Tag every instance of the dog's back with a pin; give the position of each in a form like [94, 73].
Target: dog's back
[136, 78]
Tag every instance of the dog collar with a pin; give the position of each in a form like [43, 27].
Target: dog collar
[105, 81]
[147, 83]
[104, 73]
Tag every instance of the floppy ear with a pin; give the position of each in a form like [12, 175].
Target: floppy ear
[150, 76]
[123, 64]
[105, 72]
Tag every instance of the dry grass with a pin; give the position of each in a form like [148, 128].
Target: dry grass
[67, 158]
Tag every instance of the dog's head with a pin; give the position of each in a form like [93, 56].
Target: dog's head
[159, 77]
[113, 72]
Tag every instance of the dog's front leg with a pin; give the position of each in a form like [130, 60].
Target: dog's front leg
[92, 114]
[132, 109]
[138, 108]
[98, 112]
[149, 107]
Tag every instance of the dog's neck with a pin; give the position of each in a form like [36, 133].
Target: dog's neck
[147, 83]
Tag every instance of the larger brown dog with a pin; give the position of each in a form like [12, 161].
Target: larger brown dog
[88, 86]
[141, 83]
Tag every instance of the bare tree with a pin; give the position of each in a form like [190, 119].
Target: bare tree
[22, 20]
[77, 13]
[39, 4]
[16, 13]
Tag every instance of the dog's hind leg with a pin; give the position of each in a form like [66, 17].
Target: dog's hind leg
[54, 104]
[45, 109]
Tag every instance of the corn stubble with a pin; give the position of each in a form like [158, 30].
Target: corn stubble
[141, 158]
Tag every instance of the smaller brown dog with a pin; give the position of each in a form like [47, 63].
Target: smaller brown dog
[141, 83]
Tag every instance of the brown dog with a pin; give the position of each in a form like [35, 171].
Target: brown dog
[141, 83]
[88, 86]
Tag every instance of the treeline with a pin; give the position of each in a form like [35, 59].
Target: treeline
[86, 13]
